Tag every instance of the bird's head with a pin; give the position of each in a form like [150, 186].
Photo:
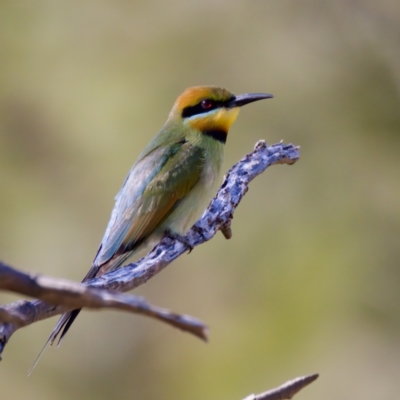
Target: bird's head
[210, 108]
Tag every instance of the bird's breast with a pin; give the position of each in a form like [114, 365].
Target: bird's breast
[192, 206]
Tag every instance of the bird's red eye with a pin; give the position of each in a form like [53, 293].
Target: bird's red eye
[206, 104]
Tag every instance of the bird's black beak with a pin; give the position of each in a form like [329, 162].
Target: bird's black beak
[247, 98]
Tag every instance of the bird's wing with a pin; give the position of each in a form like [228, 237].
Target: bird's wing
[152, 189]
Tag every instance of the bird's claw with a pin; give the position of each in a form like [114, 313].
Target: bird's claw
[200, 231]
[180, 238]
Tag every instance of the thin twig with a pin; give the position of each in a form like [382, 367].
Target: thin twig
[285, 391]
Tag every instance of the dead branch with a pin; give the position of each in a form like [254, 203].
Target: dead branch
[285, 391]
[71, 295]
[217, 217]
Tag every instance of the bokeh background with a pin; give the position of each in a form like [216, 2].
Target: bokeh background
[310, 281]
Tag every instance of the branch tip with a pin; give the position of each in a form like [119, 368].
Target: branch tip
[285, 391]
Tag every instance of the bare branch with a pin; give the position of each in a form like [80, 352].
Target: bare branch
[286, 391]
[217, 217]
[70, 295]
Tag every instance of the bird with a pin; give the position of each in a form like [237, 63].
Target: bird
[170, 183]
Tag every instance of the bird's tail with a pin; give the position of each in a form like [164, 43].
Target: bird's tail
[64, 323]
[66, 320]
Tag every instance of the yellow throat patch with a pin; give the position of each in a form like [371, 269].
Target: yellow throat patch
[221, 119]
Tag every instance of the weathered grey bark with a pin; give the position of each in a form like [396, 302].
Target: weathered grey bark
[71, 295]
[217, 217]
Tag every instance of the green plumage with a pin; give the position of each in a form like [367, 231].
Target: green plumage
[164, 178]
[172, 181]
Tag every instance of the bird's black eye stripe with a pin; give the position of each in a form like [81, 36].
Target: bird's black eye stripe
[199, 108]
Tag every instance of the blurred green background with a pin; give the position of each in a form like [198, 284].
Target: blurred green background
[310, 281]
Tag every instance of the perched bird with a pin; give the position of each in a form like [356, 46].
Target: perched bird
[170, 183]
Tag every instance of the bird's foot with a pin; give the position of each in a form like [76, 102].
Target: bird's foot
[199, 230]
[180, 238]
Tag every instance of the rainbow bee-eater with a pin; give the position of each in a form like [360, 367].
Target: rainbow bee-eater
[171, 182]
